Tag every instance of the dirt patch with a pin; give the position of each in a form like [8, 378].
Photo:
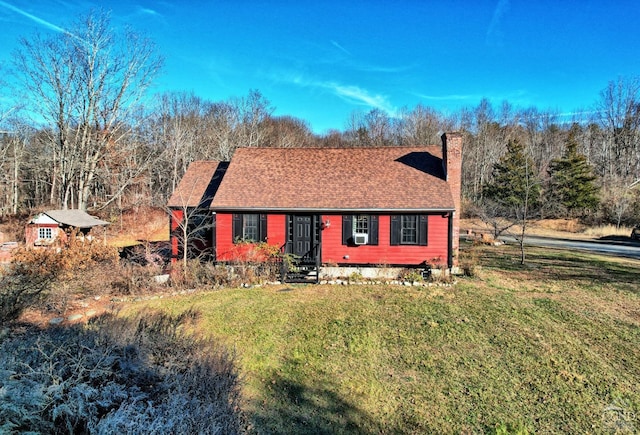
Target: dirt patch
[78, 311]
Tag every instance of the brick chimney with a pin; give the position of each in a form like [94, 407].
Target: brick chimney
[452, 165]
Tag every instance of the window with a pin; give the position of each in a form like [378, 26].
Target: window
[360, 225]
[410, 229]
[250, 227]
[45, 233]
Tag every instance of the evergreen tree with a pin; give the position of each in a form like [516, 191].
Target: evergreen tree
[515, 184]
[572, 179]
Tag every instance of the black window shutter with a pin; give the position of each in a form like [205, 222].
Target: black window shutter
[395, 230]
[347, 229]
[423, 229]
[373, 230]
[263, 227]
[237, 227]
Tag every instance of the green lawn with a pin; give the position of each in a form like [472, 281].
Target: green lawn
[550, 347]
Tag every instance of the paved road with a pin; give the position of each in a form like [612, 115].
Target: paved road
[618, 248]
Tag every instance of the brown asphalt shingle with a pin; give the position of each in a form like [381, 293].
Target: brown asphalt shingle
[381, 178]
[195, 187]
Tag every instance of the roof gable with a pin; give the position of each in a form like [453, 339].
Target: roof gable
[199, 184]
[374, 178]
[72, 218]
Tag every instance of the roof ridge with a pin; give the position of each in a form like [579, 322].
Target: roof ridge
[337, 147]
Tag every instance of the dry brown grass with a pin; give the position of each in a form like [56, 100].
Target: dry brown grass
[140, 224]
[561, 228]
[607, 230]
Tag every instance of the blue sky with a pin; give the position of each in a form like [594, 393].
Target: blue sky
[322, 60]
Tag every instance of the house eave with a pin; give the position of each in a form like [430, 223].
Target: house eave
[328, 210]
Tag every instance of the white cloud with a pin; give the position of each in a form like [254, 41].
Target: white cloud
[34, 18]
[350, 93]
[519, 97]
[495, 36]
[453, 97]
[147, 11]
[340, 47]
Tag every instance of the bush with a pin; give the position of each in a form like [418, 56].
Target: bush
[133, 279]
[200, 274]
[146, 375]
[26, 282]
[48, 277]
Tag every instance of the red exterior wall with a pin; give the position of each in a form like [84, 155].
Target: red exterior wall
[31, 234]
[226, 250]
[175, 219]
[333, 251]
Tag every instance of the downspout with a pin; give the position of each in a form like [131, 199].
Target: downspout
[450, 244]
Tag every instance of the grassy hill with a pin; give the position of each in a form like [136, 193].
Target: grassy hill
[550, 347]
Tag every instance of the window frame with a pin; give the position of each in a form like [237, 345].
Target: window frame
[397, 230]
[408, 229]
[47, 231]
[349, 227]
[240, 224]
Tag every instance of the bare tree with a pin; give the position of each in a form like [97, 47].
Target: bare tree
[619, 116]
[421, 126]
[516, 189]
[13, 159]
[255, 110]
[83, 83]
[287, 132]
[486, 143]
[192, 224]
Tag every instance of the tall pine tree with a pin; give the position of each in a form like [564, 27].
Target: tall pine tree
[572, 179]
[515, 184]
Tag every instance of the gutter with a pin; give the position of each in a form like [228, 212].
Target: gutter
[332, 210]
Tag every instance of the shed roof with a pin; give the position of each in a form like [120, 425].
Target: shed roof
[335, 179]
[73, 218]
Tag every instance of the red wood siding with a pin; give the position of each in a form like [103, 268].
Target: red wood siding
[276, 229]
[226, 250]
[333, 251]
[175, 218]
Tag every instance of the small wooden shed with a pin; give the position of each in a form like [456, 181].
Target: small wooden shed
[54, 226]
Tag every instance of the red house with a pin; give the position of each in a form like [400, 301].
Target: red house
[393, 206]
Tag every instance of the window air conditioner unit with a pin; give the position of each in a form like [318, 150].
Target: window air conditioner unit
[360, 238]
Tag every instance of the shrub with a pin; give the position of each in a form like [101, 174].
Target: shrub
[53, 277]
[132, 279]
[145, 375]
[26, 282]
[411, 275]
[469, 262]
[200, 274]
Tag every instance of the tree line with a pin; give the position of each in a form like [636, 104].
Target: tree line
[89, 135]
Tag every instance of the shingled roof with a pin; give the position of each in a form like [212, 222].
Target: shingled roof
[199, 184]
[74, 218]
[335, 179]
